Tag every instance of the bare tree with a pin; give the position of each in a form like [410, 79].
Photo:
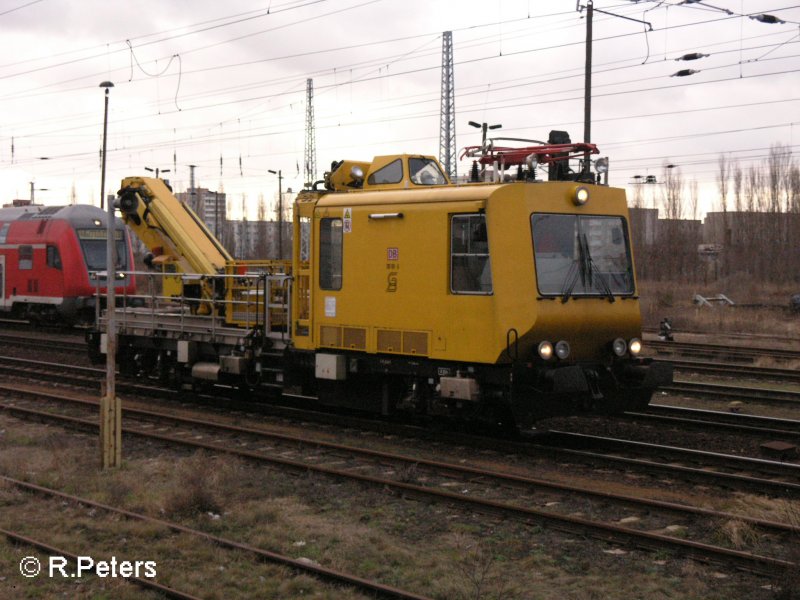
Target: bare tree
[262, 243]
[672, 202]
[244, 231]
[759, 224]
[738, 175]
[753, 189]
[638, 196]
[694, 198]
[778, 168]
[794, 189]
[228, 233]
[723, 174]
[673, 191]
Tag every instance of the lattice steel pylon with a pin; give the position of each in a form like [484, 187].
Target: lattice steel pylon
[310, 166]
[447, 131]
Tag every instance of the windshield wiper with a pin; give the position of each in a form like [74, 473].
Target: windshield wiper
[593, 270]
[571, 280]
[577, 268]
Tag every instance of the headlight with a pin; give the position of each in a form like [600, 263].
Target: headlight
[546, 350]
[532, 161]
[635, 346]
[581, 196]
[619, 346]
[562, 349]
[601, 165]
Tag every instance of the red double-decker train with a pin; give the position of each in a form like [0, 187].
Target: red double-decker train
[48, 258]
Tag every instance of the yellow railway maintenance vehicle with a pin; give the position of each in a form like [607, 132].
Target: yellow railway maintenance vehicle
[506, 299]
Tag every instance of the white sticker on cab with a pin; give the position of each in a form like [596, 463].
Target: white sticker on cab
[330, 306]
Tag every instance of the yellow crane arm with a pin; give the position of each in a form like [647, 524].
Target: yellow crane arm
[169, 227]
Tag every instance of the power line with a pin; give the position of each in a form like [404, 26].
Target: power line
[19, 7]
[350, 83]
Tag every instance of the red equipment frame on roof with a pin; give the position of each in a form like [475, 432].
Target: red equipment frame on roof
[545, 153]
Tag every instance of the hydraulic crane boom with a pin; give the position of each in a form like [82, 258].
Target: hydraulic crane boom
[170, 228]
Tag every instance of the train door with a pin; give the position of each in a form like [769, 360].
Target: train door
[2, 281]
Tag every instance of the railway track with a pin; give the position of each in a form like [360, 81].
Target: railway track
[36, 341]
[477, 489]
[78, 374]
[737, 371]
[749, 337]
[720, 471]
[779, 474]
[371, 588]
[769, 427]
[735, 392]
[730, 353]
[733, 472]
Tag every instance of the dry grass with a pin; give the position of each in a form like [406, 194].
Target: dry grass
[196, 489]
[480, 575]
[429, 548]
[675, 300]
[740, 535]
[789, 585]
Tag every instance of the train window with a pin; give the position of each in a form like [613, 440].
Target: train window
[25, 258]
[470, 269]
[93, 244]
[425, 171]
[4, 232]
[330, 254]
[581, 255]
[391, 173]
[305, 238]
[53, 257]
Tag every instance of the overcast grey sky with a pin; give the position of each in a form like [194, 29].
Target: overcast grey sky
[222, 85]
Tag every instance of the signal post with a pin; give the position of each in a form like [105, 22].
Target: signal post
[110, 404]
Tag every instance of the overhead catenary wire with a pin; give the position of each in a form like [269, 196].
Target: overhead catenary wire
[397, 74]
[498, 103]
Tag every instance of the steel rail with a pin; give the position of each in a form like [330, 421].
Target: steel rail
[58, 345]
[715, 477]
[736, 370]
[718, 334]
[440, 466]
[604, 531]
[766, 426]
[365, 585]
[739, 351]
[733, 392]
[782, 468]
[55, 551]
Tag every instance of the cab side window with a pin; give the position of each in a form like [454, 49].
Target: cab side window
[25, 258]
[330, 254]
[470, 269]
[391, 173]
[425, 171]
[53, 257]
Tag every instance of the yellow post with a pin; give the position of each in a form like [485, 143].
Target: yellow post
[110, 431]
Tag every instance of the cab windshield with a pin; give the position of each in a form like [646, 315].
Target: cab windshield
[93, 244]
[584, 255]
[425, 171]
